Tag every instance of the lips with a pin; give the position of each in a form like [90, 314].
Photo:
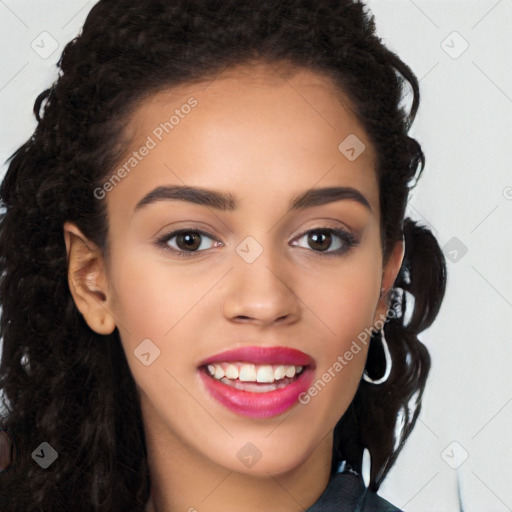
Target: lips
[257, 382]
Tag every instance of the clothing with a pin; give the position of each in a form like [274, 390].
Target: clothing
[346, 492]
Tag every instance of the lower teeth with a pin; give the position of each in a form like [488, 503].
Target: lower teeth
[256, 387]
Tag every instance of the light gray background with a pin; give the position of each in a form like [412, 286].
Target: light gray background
[463, 437]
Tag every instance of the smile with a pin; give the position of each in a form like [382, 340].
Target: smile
[266, 386]
[250, 377]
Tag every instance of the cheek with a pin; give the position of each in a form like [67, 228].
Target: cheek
[150, 303]
[342, 305]
[345, 302]
[151, 297]
[344, 298]
[155, 308]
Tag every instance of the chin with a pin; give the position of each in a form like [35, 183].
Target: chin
[263, 457]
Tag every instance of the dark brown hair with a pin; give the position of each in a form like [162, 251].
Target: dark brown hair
[68, 386]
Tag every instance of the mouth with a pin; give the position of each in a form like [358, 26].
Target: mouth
[257, 382]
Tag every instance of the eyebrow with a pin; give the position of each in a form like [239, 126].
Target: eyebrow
[226, 201]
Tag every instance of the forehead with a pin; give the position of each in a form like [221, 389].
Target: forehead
[250, 125]
[255, 94]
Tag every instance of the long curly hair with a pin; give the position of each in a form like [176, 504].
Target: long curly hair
[66, 385]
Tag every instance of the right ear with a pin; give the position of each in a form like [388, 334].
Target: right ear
[88, 280]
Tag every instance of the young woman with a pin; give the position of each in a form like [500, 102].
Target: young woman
[211, 298]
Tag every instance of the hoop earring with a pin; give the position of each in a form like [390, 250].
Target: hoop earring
[366, 467]
[389, 363]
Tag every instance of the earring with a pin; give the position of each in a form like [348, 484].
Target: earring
[366, 467]
[387, 357]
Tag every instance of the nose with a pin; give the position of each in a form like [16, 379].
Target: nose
[261, 293]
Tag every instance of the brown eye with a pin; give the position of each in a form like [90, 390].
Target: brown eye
[186, 242]
[189, 241]
[319, 240]
[328, 241]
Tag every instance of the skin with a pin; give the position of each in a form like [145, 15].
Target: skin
[264, 137]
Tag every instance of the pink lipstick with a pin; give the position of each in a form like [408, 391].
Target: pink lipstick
[257, 382]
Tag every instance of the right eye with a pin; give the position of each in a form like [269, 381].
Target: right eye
[186, 242]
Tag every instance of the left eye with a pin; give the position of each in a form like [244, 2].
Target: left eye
[321, 240]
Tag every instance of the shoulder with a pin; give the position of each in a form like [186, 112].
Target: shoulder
[374, 503]
[347, 492]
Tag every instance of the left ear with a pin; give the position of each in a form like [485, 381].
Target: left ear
[389, 274]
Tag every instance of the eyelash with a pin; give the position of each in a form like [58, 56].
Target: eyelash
[348, 239]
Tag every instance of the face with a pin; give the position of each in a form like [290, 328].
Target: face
[240, 299]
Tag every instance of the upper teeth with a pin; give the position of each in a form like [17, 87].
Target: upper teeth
[247, 372]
